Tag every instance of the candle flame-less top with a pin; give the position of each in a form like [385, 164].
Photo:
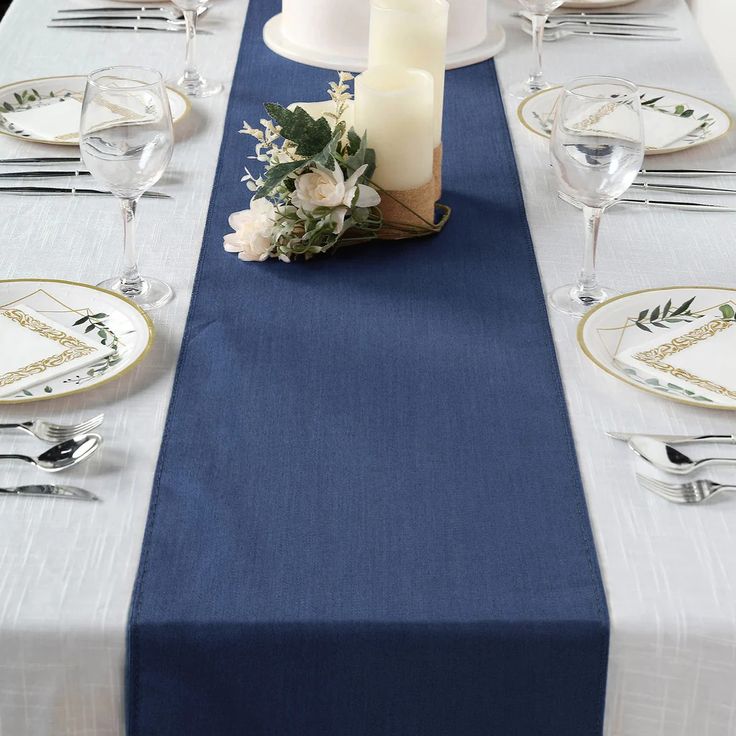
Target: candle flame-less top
[412, 34]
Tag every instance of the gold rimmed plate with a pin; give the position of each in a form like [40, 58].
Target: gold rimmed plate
[97, 313]
[31, 93]
[626, 322]
[536, 113]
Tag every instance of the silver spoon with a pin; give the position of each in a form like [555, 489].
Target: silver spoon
[63, 455]
[669, 459]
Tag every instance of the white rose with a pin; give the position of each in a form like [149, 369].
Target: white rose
[324, 188]
[253, 228]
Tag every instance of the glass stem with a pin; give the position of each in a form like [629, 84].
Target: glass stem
[131, 283]
[190, 69]
[536, 80]
[588, 290]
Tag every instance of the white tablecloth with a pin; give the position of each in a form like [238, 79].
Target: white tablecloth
[67, 570]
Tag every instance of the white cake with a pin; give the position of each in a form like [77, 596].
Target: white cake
[340, 27]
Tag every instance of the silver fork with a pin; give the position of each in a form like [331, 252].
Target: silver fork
[692, 492]
[50, 432]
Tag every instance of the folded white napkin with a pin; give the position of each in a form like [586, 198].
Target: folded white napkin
[661, 129]
[57, 121]
[34, 349]
[698, 356]
[60, 121]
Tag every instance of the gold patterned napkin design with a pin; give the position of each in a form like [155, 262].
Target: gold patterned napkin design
[698, 356]
[34, 349]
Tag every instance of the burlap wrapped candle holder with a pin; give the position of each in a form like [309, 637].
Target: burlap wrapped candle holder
[411, 213]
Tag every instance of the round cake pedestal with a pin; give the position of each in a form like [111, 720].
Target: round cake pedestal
[275, 39]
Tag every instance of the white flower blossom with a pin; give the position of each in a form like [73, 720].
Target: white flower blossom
[324, 188]
[253, 229]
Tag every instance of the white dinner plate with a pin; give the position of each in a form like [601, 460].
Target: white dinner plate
[537, 115]
[101, 314]
[47, 90]
[280, 44]
[594, 4]
[633, 319]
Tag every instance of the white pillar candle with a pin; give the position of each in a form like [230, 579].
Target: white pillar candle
[394, 106]
[412, 33]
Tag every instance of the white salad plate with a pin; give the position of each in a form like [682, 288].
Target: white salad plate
[32, 93]
[97, 313]
[536, 113]
[280, 44]
[640, 318]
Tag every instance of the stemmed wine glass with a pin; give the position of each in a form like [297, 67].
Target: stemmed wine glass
[597, 149]
[126, 141]
[192, 82]
[539, 11]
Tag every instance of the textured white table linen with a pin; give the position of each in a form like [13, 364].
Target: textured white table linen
[67, 570]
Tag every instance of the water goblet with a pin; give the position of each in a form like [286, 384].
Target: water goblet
[597, 149]
[126, 141]
[192, 82]
[539, 11]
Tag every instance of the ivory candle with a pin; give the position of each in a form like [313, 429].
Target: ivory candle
[413, 34]
[394, 107]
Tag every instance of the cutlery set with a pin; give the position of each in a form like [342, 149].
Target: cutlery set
[164, 19]
[660, 452]
[644, 187]
[635, 26]
[72, 444]
[42, 173]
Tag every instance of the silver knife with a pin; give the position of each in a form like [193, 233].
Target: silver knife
[99, 27]
[40, 174]
[57, 191]
[684, 188]
[674, 439]
[41, 160]
[686, 172]
[129, 18]
[133, 9]
[690, 206]
[70, 492]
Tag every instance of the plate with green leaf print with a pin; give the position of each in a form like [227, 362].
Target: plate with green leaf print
[708, 121]
[99, 314]
[656, 320]
[30, 94]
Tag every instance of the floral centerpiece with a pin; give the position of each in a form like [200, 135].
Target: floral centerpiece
[314, 193]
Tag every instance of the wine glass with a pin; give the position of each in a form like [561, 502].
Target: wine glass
[126, 140]
[597, 149]
[539, 11]
[192, 82]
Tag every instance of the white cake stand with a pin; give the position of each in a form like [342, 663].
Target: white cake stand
[278, 43]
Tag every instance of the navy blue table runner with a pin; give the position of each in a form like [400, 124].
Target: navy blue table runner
[367, 517]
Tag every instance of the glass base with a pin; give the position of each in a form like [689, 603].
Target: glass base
[522, 90]
[199, 87]
[567, 299]
[154, 293]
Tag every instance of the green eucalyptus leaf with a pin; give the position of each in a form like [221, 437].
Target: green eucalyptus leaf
[727, 311]
[275, 175]
[683, 307]
[310, 136]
